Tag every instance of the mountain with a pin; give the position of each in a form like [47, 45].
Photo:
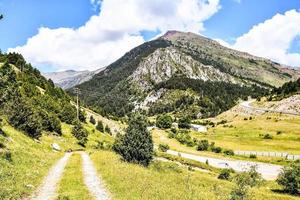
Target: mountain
[30, 102]
[182, 73]
[70, 78]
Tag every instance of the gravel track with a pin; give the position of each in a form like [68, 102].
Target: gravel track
[92, 180]
[47, 191]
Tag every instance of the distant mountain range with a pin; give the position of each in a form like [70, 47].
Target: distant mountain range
[183, 73]
[70, 78]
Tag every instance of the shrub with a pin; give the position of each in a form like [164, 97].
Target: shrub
[92, 120]
[7, 156]
[164, 121]
[107, 130]
[163, 147]
[100, 126]
[252, 156]
[289, 178]
[136, 145]
[278, 132]
[80, 134]
[244, 181]
[68, 113]
[24, 117]
[268, 136]
[202, 145]
[2, 133]
[50, 122]
[174, 130]
[229, 152]
[216, 149]
[103, 145]
[225, 174]
[184, 138]
[184, 122]
[171, 134]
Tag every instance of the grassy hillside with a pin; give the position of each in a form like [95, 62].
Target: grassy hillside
[24, 162]
[30, 102]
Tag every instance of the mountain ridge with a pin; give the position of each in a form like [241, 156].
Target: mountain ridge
[70, 78]
[125, 84]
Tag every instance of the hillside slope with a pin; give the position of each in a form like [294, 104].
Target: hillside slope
[29, 101]
[138, 79]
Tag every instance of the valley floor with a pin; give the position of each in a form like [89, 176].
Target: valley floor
[112, 178]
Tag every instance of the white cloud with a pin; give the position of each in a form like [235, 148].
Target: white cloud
[272, 38]
[116, 30]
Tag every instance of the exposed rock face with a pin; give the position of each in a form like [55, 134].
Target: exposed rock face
[132, 81]
[166, 63]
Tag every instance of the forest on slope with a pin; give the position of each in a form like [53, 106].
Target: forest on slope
[29, 101]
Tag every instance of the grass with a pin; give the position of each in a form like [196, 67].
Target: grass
[29, 164]
[72, 184]
[31, 160]
[248, 134]
[161, 137]
[163, 180]
[96, 136]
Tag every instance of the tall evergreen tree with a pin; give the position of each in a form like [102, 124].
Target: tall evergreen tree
[136, 145]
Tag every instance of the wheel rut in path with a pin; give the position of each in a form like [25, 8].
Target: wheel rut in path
[92, 180]
[47, 190]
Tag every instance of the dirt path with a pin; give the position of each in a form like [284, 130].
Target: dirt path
[92, 180]
[47, 191]
[268, 171]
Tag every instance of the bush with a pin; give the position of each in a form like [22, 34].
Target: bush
[289, 178]
[225, 174]
[252, 156]
[24, 117]
[184, 138]
[107, 130]
[216, 149]
[163, 147]
[68, 113]
[184, 122]
[92, 120]
[80, 134]
[268, 136]
[103, 145]
[136, 145]
[174, 130]
[50, 122]
[244, 181]
[202, 145]
[100, 126]
[164, 121]
[229, 152]
[2, 132]
[171, 134]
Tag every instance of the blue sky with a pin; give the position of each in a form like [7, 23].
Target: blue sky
[68, 22]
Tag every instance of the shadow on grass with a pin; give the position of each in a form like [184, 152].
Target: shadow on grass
[285, 192]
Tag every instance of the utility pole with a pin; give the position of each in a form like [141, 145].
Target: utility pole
[77, 91]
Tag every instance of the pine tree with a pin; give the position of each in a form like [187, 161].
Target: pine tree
[100, 126]
[80, 134]
[136, 145]
[92, 120]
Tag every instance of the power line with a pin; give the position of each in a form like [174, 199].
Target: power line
[77, 91]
